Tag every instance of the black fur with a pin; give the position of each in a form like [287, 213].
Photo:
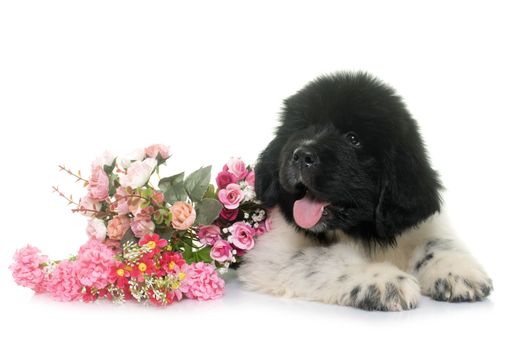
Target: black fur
[368, 159]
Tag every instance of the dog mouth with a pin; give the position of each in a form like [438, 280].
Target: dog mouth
[308, 209]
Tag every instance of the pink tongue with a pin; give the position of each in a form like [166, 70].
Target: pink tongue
[307, 212]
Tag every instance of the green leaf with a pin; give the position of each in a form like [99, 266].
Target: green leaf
[166, 234]
[204, 254]
[167, 182]
[207, 211]
[197, 182]
[211, 192]
[129, 237]
[177, 192]
[109, 168]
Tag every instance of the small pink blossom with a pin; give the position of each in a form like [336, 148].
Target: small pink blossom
[209, 234]
[96, 229]
[27, 270]
[231, 196]
[63, 284]
[225, 178]
[121, 205]
[138, 173]
[105, 159]
[154, 150]
[237, 167]
[184, 215]
[203, 282]
[250, 178]
[221, 251]
[94, 264]
[118, 226]
[242, 235]
[98, 186]
[263, 227]
[88, 206]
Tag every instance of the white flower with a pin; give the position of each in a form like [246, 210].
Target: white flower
[137, 154]
[96, 229]
[138, 173]
[105, 159]
[249, 193]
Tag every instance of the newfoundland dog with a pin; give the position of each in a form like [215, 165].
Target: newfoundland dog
[355, 205]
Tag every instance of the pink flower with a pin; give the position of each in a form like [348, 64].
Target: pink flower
[63, 284]
[121, 205]
[229, 214]
[142, 225]
[231, 196]
[88, 206]
[98, 187]
[209, 234]
[203, 282]
[242, 235]
[96, 229]
[118, 226]
[94, 264]
[237, 167]
[263, 227]
[250, 178]
[154, 150]
[27, 270]
[221, 251]
[184, 215]
[225, 178]
[138, 173]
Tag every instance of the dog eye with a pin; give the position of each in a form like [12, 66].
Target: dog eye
[353, 139]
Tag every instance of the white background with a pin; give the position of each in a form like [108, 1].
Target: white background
[208, 79]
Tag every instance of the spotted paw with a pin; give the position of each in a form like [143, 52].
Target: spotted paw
[383, 288]
[455, 278]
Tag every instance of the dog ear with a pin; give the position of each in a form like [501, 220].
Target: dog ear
[267, 187]
[409, 190]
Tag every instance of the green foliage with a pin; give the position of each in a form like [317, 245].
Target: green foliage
[207, 211]
[197, 182]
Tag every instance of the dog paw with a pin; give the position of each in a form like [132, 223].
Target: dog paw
[384, 288]
[455, 278]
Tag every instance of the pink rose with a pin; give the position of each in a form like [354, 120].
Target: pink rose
[229, 214]
[98, 187]
[96, 229]
[121, 205]
[138, 173]
[237, 167]
[231, 196]
[118, 226]
[221, 251]
[142, 225]
[154, 150]
[209, 234]
[184, 215]
[242, 235]
[250, 178]
[225, 178]
[88, 206]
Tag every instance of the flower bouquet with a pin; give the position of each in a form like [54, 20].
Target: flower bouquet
[157, 243]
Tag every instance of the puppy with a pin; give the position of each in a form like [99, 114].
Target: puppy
[355, 205]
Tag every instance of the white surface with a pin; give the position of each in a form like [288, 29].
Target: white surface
[208, 79]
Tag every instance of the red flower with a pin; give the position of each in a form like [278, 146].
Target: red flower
[171, 260]
[120, 274]
[153, 299]
[153, 242]
[145, 266]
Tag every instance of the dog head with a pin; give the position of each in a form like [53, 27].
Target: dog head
[348, 156]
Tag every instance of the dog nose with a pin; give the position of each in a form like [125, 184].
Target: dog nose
[305, 157]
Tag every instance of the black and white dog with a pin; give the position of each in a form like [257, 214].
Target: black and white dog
[356, 206]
